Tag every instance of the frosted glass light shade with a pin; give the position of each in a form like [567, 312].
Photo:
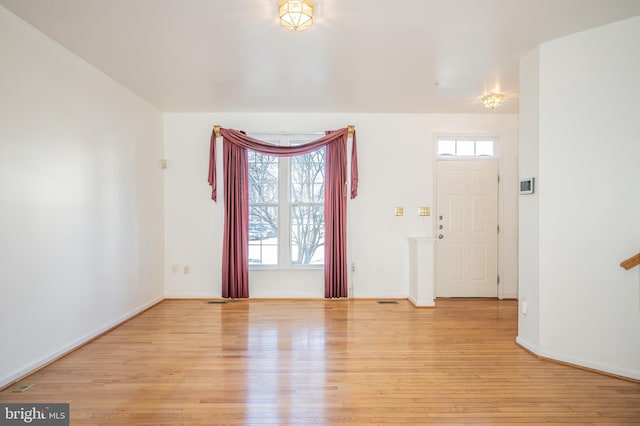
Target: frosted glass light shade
[296, 15]
[492, 100]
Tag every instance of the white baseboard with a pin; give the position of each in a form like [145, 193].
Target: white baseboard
[417, 304]
[190, 296]
[32, 367]
[605, 368]
[578, 362]
[527, 345]
[509, 296]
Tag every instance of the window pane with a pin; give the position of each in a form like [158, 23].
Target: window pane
[446, 147]
[307, 207]
[484, 148]
[465, 148]
[307, 177]
[307, 234]
[263, 178]
[263, 234]
[295, 198]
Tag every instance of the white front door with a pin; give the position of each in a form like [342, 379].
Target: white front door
[467, 228]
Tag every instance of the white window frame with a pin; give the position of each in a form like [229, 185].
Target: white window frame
[466, 138]
[284, 201]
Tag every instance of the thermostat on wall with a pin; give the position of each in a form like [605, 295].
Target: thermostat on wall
[527, 186]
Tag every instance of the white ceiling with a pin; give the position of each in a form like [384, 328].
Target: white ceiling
[360, 56]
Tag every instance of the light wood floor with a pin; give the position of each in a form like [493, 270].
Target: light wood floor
[315, 362]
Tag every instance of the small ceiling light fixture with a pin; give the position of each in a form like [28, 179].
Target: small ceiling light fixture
[296, 15]
[492, 100]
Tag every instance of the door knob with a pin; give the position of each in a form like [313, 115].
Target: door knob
[440, 236]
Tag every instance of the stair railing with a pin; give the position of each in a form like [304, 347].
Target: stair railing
[631, 262]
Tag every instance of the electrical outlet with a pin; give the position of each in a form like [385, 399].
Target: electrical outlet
[174, 269]
[186, 269]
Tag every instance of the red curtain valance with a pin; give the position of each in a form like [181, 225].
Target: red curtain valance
[239, 138]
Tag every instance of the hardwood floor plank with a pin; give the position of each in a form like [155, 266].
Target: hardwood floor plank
[317, 362]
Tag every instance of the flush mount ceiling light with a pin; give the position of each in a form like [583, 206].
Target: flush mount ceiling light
[296, 15]
[492, 100]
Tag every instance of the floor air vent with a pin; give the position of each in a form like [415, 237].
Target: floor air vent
[217, 302]
[387, 302]
[23, 389]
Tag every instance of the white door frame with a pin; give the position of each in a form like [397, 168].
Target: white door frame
[496, 157]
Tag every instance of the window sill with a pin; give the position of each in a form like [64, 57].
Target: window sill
[286, 270]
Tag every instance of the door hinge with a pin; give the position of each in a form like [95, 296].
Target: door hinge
[498, 228]
[498, 280]
[498, 178]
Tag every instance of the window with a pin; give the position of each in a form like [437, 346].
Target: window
[466, 148]
[263, 208]
[286, 206]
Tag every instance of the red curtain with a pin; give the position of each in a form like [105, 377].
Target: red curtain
[335, 215]
[235, 262]
[235, 252]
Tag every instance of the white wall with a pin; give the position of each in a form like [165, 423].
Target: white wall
[396, 155]
[81, 229]
[528, 250]
[589, 201]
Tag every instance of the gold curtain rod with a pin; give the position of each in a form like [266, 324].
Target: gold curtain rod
[350, 129]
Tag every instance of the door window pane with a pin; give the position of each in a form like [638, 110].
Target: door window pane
[484, 148]
[446, 147]
[465, 148]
